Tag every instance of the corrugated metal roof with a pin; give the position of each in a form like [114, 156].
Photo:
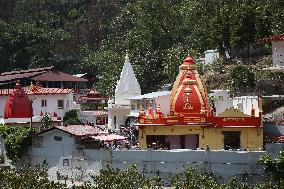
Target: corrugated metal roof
[151, 95]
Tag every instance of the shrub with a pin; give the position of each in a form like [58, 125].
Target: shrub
[16, 140]
[241, 79]
[71, 118]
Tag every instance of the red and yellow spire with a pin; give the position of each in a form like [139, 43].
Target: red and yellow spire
[188, 94]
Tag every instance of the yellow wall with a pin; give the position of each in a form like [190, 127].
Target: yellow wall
[251, 138]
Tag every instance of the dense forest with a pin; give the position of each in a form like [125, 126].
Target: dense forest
[92, 36]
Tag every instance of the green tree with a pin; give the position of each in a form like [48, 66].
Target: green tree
[71, 118]
[241, 79]
[17, 140]
[46, 121]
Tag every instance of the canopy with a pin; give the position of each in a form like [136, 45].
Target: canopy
[108, 138]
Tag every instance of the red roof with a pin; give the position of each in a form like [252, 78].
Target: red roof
[275, 138]
[13, 75]
[279, 37]
[40, 91]
[58, 76]
[80, 130]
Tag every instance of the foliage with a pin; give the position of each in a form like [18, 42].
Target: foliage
[192, 178]
[241, 79]
[17, 140]
[26, 178]
[46, 121]
[2, 159]
[71, 118]
[112, 178]
[274, 166]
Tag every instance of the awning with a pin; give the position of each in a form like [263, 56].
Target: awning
[108, 138]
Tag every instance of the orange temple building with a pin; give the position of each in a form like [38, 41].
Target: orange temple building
[191, 123]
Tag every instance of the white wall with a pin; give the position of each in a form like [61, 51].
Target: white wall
[221, 100]
[278, 53]
[2, 105]
[243, 103]
[210, 56]
[53, 150]
[164, 102]
[52, 103]
[223, 163]
[121, 116]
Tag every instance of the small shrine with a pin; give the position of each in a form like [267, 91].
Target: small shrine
[192, 124]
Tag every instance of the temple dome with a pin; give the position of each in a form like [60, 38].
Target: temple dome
[18, 104]
[189, 96]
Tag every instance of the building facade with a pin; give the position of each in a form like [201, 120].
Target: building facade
[23, 105]
[191, 123]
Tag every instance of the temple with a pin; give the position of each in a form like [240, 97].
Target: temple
[192, 123]
[127, 87]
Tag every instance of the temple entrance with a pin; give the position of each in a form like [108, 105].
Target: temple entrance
[173, 141]
[232, 140]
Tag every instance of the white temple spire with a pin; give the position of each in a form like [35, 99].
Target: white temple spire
[127, 86]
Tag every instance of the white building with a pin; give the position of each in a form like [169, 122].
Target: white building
[150, 100]
[54, 101]
[127, 87]
[222, 101]
[209, 57]
[277, 52]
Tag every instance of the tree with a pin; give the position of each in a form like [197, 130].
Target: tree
[241, 79]
[46, 121]
[71, 118]
[17, 140]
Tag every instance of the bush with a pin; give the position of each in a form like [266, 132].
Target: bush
[71, 118]
[26, 178]
[274, 166]
[17, 140]
[46, 121]
[241, 79]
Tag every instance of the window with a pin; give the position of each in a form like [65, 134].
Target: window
[67, 104]
[232, 140]
[58, 138]
[139, 104]
[66, 162]
[133, 105]
[60, 104]
[43, 103]
[114, 120]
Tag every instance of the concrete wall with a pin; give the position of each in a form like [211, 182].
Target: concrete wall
[224, 163]
[278, 53]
